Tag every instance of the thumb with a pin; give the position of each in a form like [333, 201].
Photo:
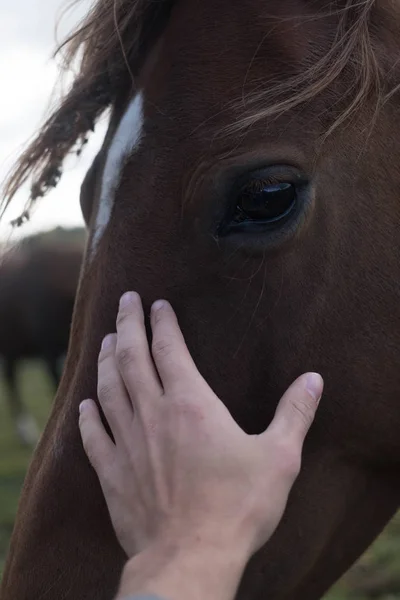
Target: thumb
[296, 410]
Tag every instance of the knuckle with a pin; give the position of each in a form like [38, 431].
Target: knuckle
[126, 356]
[292, 462]
[158, 316]
[162, 348]
[160, 312]
[188, 409]
[122, 316]
[105, 391]
[153, 425]
[104, 354]
[289, 459]
[303, 411]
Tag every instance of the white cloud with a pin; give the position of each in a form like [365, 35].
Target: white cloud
[27, 78]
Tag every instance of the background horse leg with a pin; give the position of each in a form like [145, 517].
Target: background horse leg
[25, 425]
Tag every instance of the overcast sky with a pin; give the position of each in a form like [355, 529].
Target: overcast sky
[27, 78]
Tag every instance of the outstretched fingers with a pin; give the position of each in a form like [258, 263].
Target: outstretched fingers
[170, 353]
[97, 444]
[132, 351]
[111, 391]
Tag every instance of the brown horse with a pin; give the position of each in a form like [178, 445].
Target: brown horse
[38, 282]
[250, 176]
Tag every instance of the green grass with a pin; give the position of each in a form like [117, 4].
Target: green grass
[375, 577]
[14, 458]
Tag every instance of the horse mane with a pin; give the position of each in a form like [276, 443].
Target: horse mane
[111, 43]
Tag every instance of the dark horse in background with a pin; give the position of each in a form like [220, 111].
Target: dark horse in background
[38, 282]
[251, 176]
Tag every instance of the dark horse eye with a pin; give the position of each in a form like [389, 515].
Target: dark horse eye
[265, 202]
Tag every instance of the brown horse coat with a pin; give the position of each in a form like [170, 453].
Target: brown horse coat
[239, 98]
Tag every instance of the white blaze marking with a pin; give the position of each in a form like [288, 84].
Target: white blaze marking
[126, 138]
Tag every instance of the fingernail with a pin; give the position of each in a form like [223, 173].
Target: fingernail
[158, 304]
[127, 298]
[82, 406]
[107, 341]
[314, 385]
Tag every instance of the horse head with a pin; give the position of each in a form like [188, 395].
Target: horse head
[249, 177]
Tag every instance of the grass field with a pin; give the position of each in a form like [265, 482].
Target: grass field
[376, 576]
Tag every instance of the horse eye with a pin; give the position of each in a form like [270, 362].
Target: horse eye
[265, 202]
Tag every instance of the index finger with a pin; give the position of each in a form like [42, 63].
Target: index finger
[132, 351]
[170, 353]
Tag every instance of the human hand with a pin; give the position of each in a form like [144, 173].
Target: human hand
[180, 468]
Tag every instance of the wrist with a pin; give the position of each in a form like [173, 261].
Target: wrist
[185, 570]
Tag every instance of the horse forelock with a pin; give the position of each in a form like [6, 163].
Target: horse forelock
[113, 41]
[109, 45]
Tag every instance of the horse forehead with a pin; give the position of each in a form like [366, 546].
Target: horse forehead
[124, 142]
[199, 23]
[203, 57]
[215, 52]
[206, 35]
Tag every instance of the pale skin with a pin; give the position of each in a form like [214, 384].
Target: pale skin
[191, 496]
